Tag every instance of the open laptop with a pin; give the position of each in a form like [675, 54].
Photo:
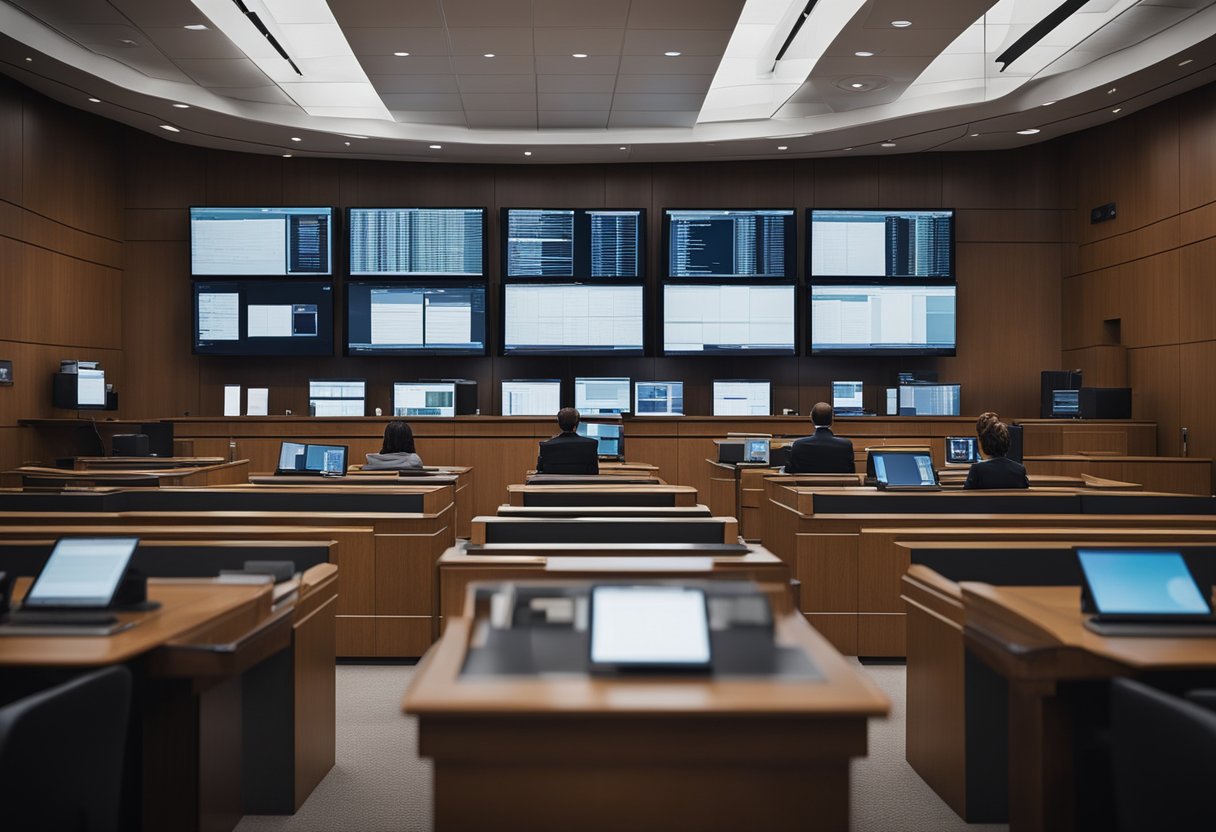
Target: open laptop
[962, 450]
[906, 470]
[74, 592]
[297, 458]
[610, 437]
[756, 451]
[1145, 592]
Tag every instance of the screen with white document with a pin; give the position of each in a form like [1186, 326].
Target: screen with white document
[706, 319]
[417, 242]
[261, 241]
[82, 572]
[896, 319]
[742, 397]
[417, 398]
[263, 317]
[896, 243]
[392, 318]
[649, 626]
[601, 396]
[531, 397]
[574, 318]
[658, 398]
[336, 397]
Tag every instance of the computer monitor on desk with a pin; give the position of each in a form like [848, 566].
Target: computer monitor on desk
[531, 397]
[609, 435]
[601, 396]
[416, 398]
[962, 450]
[847, 398]
[904, 468]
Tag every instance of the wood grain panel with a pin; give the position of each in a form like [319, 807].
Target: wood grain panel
[1198, 224]
[1156, 393]
[1007, 226]
[847, 183]
[245, 178]
[1100, 366]
[10, 140]
[1019, 179]
[827, 567]
[913, 180]
[1124, 248]
[1196, 126]
[1197, 410]
[158, 350]
[1197, 291]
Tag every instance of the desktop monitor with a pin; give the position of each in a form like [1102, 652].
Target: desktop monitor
[895, 244]
[302, 458]
[756, 451]
[1145, 583]
[531, 397]
[742, 397]
[567, 242]
[730, 243]
[882, 319]
[82, 573]
[385, 318]
[601, 396]
[263, 317]
[336, 396]
[930, 399]
[658, 398]
[417, 242]
[84, 389]
[846, 397]
[248, 242]
[728, 319]
[609, 435]
[902, 468]
[416, 398]
[962, 450]
[573, 318]
[1065, 404]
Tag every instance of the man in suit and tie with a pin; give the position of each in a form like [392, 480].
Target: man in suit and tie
[823, 452]
[568, 453]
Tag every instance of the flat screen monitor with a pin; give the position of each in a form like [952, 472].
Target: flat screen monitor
[641, 627]
[82, 572]
[336, 396]
[417, 242]
[302, 458]
[658, 398]
[930, 400]
[418, 398]
[531, 397]
[903, 468]
[568, 242]
[572, 318]
[962, 450]
[90, 388]
[252, 242]
[892, 401]
[728, 243]
[1065, 404]
[742, 397]
[894, 244]
[610, 437]
[385, 318]
[718, 319]
[756, 451]
[601, 396]
[847, 396]
[1149, 583]
[868, 319]
[259, 317]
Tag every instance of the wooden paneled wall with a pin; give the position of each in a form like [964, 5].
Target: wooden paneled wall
[61, 252]
[1144, 284]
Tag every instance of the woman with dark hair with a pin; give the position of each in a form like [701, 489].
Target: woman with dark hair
[997, 471]
[397, 452]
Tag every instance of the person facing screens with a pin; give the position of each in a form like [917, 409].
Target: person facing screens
[568, 453]
[997, 471]
[823, 452]
[397, 452]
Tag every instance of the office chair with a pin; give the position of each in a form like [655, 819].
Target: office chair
[61, 754]
[1163, 751]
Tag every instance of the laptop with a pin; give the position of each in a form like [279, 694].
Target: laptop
[299, 459]
[756, 451]
[904, 471]
[962, 450]
[82, 574]
[1143, 592]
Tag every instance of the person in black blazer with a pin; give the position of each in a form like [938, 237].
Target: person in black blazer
[823, 452]
[997, 471]
[568, 453]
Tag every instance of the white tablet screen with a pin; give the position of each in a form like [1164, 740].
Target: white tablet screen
[82, 572]
[649, 625]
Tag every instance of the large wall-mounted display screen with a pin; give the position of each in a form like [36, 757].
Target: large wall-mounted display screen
[417, 242]
[386, 318]
[870, 318]
[258, 317]
[578, 318]
[848, 243]
[261, 242]
[566, 242]
[708, 319]
[730, 243]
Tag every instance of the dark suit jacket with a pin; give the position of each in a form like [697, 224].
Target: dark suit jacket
[568, 453]
[998, 472]
[821, 453]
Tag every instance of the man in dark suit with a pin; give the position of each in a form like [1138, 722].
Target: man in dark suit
[568, 453]
[823, 452]
[998, 471]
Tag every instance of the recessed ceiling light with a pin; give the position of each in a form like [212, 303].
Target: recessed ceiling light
[1029, 131]
[170, 128]
[783, 147]
[864, 54]
[579, 55]
[196, 27]
[888, 144]
[901, 24]
[346, 143]
[488, 55]
[436, 147]
[1048, 103]
[527, 152]
[848, 148]
[1187, 61]
[857, 85]
[673, 54]
[296, 139]
[286, 155]
[1117, 110]
[29, 59]
[128, 42]
[623, 147]
[353, 136]
[95, 100]
[182, 106]
[974, 135]
[402, 54]
[1112, 90]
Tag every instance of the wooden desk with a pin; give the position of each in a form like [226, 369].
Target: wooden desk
[1177, 474]
[602, 494]
[34, 476]
[1035, 638]
[552, 754]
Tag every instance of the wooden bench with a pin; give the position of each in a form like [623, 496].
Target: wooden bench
[606, 530]
[601, 494]
[604, 511]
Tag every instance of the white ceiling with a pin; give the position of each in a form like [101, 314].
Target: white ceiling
[929, 86]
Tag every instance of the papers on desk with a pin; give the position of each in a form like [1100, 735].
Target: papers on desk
[630, 565]
[232, 400]
[258, 401]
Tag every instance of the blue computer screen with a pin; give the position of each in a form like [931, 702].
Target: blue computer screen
[1133, 582]
[904, 468]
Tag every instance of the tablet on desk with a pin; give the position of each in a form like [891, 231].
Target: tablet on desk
[1142, 586]
[655, 628]
[82, 573]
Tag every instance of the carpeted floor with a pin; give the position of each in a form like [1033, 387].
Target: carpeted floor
[380, 785]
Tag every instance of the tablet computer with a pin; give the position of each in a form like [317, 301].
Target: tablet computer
[655, 627]
[81, 573]
[756, 451]
[1142, 585]
[962, 450]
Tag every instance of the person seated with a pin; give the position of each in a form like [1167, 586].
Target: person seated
[997, 471]
[397, 452]
[568, 453]
[823, 452]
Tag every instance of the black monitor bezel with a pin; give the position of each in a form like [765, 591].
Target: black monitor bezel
[895, 352]
[791, 256]
[811, 277]
[415, 276]
[244, 325]
[335, 234]
[503, 240]
[397, 283]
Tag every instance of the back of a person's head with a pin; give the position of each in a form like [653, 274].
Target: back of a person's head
[567, 419]
[398, 438]
[985, 419]
[821, 415]
[994, 438]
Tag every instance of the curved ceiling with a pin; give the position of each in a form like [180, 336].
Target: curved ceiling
[544, 81]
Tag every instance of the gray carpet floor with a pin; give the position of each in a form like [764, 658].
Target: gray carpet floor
[380, 785]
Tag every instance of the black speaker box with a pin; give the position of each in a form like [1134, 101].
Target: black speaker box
[130, 444]
[1106, 402]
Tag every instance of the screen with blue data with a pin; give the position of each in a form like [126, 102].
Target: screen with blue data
[1141, 583]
